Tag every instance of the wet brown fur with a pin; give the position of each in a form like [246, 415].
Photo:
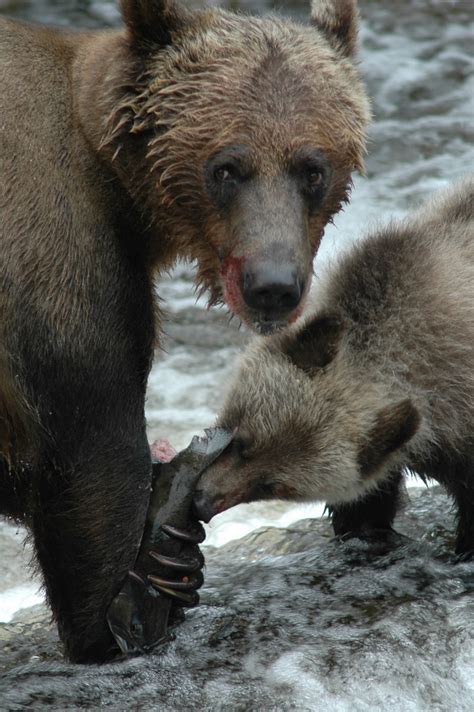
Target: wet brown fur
[269, 84]
[103, 138]
[18, 424]
[379, 379]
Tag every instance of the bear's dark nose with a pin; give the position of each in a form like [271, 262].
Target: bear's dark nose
[270, 288]
[202, 506]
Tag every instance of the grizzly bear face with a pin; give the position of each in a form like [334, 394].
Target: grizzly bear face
[307, 427]
[250, 129]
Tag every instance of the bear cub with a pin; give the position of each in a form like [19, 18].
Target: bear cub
[379, 380]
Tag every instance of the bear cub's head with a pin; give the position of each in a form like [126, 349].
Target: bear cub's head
[308, 424]
[249, 129]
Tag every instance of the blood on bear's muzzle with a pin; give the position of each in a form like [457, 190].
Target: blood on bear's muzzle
[266, 295]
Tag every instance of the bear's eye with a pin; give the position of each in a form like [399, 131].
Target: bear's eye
[226, 174]
[312, 172]
[262, 490]
[314, 177]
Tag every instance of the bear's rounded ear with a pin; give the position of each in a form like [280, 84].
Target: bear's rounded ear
[338, 20]
[152, 23]
[394, 426]
[316, 344]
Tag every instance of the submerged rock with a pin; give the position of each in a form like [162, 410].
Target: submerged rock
[291, 619]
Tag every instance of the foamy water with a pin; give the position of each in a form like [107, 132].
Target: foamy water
[417, 60]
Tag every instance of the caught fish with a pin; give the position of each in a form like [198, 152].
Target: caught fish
[167, 571]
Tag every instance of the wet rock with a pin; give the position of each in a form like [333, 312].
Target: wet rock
[291, 619]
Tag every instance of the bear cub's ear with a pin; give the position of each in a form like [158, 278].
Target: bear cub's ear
[338, 22]
[394, 426]
[316, 344]
[152, 23]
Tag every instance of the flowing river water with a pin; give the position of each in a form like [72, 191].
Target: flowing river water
[417, 60]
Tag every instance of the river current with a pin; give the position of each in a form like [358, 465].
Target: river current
[417, 60]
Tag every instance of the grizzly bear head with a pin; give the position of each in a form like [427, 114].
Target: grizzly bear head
[240, 135]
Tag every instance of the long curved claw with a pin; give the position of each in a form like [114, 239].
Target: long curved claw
[136, 577]
[186, 583]
[192, 564]
[184, 598]
[189, 537]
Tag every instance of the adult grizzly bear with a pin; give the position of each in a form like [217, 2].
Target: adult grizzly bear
[379, 379]
[199, 134]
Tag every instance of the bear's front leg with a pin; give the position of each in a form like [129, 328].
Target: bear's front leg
[90, 475]
[88, 514]
[370, 517]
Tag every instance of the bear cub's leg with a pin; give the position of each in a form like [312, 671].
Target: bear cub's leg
[371, 517]
[457, 473]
